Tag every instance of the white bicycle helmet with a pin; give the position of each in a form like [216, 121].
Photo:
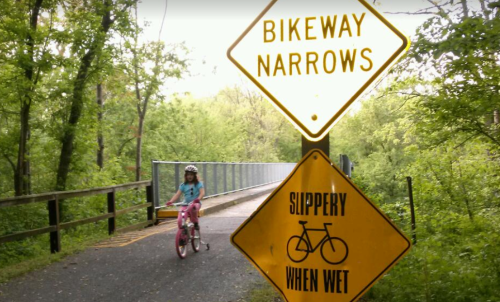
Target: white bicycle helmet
[191, 169]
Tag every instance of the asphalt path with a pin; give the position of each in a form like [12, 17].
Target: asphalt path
[149, 269]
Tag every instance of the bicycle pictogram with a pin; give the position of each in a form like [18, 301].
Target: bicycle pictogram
[334, 250]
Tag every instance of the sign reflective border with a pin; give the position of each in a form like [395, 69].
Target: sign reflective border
[314, 58]
[317, 237]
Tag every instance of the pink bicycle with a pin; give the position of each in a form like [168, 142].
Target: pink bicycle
[187, 234]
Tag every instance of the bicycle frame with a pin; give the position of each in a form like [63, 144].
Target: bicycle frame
[187, 226]
[308, 240]
[185, 215]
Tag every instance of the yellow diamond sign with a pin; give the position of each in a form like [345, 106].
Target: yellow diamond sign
[317, 237]
[314, 58]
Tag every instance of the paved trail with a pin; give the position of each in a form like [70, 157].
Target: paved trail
[149, 269]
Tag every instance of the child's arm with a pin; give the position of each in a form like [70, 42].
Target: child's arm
[202, 193]
[174, 198]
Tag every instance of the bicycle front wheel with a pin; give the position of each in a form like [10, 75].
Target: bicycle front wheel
[181, 243]
[297, 249]
[334, 250]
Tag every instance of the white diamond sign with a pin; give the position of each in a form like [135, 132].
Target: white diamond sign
[314, 58]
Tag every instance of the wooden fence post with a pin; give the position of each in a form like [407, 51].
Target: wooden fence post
[149, 198]
[112, 209]
[55, 236]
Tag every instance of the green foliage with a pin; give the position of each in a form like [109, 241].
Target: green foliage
[456, 195]
[460, 57]
[458, 263]
[231, 127]
[438, 123]
[263, 292]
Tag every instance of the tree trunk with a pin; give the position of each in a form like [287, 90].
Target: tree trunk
[465, 8]
[484, 9]
[22, 177]
[75, 113]
[138, 156]
[22, 158]
[27, 169]
[77, 99]
[469, 211]
[100, 138]
[496, 122]
[142, 104]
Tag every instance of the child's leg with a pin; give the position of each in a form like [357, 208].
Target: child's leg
[179, 216]
[193, 212]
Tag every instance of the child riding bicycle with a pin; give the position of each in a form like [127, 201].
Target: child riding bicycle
[193, 191]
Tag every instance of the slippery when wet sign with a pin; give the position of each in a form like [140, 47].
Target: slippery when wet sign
[317, 237]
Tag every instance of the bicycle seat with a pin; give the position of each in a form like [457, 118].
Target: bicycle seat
[302, 222]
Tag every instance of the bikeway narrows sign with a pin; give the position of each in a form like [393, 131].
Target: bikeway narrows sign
[314, 58]
[317, 237]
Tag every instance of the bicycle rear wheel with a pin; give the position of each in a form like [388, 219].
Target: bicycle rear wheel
[297, 249]
[181, 243]
[195, 239]
[337, 254]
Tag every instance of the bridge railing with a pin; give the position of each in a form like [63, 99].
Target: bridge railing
[218, 178]
[55, 226]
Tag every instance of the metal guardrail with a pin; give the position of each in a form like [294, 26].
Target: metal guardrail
[218, 178]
